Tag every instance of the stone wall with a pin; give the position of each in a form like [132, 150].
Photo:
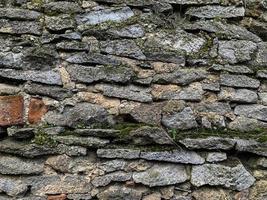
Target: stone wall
[133, 99]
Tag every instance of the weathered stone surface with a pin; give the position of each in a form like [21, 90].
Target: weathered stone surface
[37, 110]
[183, 120]
[251, 146]
[262, 74]
[245, 124]
[181, 76]
[61, 7]
[252, 111]
[150, 135]
[57, 197]
[12, 187]
[11, 110]
[16, 166]
[20, 14]
[72, 46]
[113, 14]
[239, 69]
[179, 41]
[119, 74]
[20, 27]
[59, 23]
[126, 48]
[132, 31]
[211, 143]
[263, 98]
[83, 113]
[6, 89]
[47, 77]
[219, 108]
[81, 141]
[259, 190]
[216, 156]
[261, 55]
[55, 92]
[239, 81]
[216, 11]
[223, 30]
[117, 192]
[176, 156]
[238, 95]
[92, 59]
[161, 174]
[118, 176]
[118, 153]
[33, 150]
[131, 92]
[20, 133]
[102, 133]
[211, 194]
[236, 51]
[47, 37]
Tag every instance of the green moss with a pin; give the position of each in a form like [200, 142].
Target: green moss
[126, 128]
[259, 135]
[42, 138]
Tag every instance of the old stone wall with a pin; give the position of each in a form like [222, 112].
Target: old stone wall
[133, 99]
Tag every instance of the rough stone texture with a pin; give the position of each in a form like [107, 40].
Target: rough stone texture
[37, 110]
[118, 153]
[236, 177]
[216, 157]
[239, 95]
[252, 111]
[216, 11]
[11, 110]
[239, 81]
[160, 175]
[236, 51]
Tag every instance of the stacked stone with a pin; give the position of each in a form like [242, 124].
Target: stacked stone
[143, 99]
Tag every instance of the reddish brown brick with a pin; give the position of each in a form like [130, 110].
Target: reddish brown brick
[11, 110]
[37, 109]
[57, 197]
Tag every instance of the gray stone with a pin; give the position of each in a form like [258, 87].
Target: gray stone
[21, 133]
[181, 76]
[262, 97]
[215, 11]
[72, 46]
[261, 55]
[47, 37]
[6, 89]
[167, 57]
[12, 187]
[130, 92]
[17, 166]
[245, 124]
[20, 27]
[61, 7]
[116, 14]
[210, 143]
[79, 196]
[104, 180]
[85, 74]
[251, 146]
[19, 14]
[118, 153]
[81, 141]
[202, 2]
[239, 69]
[121, 193]
[239, 81]
[102, 133]
[34, 150]
[176, 156]
[219, 108]
[113, 165]
[85, 114]
[223, 30]
[252, 111]
[150, 135]
[193, 92]
[59, 23]
[11, 60]
[236, 177]
[262, 74]
[236, 51]
[55, 92]
[92, 59]
[47, 77]
[183, 120]
[161, 175]
[238, 95]
[179, 41]
[132, 31]
[216, 156]
[126, 48]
